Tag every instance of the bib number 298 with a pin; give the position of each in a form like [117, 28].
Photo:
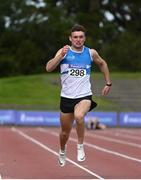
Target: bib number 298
[77, 72]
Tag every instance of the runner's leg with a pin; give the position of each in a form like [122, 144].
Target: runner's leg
[79, 112]
[66, 120]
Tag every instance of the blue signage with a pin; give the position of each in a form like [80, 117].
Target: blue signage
[7, 117]
[132, 119]
[37, 118]
[107, 118]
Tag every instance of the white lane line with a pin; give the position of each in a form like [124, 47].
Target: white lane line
[130, 131]
[0, 177]
[124, 133]
[128, 136]
[114, 140]
[99, 148]
[33, 140]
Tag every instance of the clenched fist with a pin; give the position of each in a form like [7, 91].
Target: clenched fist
[65, 50]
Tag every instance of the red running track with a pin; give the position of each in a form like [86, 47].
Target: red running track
[32, 153]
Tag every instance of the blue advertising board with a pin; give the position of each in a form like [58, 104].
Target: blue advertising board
[37, 118]
[107, 118]
[7, 117]
[132, 119]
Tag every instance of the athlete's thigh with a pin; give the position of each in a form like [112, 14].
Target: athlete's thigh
[82, 107]
[66, 120]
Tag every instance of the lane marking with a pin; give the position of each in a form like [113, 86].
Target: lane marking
[128, 136]
[0, 177]
[33, 140]
[114, 140]
[123, 133]
[130, 131]
[98, 148]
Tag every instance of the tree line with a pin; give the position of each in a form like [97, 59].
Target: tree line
[31, 31]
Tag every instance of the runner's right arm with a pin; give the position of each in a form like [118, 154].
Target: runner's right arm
[53, 63]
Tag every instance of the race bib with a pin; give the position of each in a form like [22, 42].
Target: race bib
[77, 72]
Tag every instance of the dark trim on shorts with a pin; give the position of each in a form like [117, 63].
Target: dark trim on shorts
[67, 105]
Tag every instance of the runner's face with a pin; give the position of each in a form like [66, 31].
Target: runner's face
[77, 39]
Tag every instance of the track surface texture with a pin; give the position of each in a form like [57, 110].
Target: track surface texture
[32, 153]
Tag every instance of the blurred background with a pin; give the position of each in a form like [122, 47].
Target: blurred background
[31, 31]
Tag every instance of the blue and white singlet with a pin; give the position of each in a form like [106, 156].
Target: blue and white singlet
[75, 72]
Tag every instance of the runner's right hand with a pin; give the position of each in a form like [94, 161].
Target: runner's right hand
[64, 50]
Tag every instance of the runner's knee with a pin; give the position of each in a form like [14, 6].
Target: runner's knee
[79, 118]
[64, 134]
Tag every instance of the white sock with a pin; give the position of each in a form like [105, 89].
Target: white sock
[79, 145]
[62, 151]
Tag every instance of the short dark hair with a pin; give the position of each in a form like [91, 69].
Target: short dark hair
[78, 27]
